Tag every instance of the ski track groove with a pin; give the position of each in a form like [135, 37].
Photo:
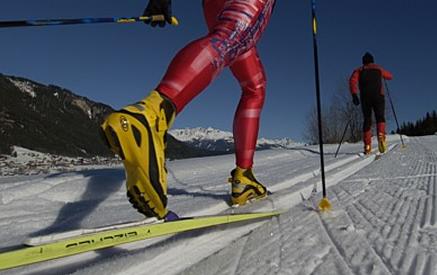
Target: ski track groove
[412, 205]
[357, 257]
[234, 267]
[433, 202]
[374, 237]
[380, 259]
[337, 248]
[281, 244]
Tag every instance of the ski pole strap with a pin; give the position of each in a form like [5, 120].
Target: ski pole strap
[57, 22]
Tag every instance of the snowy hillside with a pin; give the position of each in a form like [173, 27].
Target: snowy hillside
[218, 140]
[36, 116]
[384, 217]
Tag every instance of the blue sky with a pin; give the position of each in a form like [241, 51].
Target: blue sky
[119, 64]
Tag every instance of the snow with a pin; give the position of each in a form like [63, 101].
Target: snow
[24, 86]
[384, 217]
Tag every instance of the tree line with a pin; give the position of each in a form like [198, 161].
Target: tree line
[422, 127]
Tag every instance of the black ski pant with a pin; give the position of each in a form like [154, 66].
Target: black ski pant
[375, 102]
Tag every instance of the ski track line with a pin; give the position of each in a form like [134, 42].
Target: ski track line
[234, 266]
[193, 251]
[362, 250]
[312, 174]
[40, 186]
[400, 251]
[429, 217]
[327, 223]
[370, 248]
[360, 219]
[399, 178]
[334, 245]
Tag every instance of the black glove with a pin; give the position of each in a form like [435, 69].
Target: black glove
[159, 7]
[355, 100]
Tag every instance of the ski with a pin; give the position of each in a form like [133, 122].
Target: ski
[100, 239]
[50, 238]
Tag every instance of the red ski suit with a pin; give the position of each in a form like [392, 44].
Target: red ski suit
[369, 79]
[234, 26]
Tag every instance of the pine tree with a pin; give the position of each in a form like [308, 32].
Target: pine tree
[423, 126]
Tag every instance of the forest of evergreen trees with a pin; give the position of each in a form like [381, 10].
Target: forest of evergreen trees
[422, 127]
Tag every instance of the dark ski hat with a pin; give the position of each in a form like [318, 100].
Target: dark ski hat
[368, 58]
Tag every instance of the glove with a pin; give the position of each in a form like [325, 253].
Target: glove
[159, 7]
[355, 100]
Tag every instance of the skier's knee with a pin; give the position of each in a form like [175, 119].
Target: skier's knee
[255, 94]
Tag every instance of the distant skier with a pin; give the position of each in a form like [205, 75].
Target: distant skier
[137, 132]
[369, 78]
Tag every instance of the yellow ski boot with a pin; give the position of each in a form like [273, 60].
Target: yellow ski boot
[382, 144]
[367, 149]
[137, 134]
[245, 187]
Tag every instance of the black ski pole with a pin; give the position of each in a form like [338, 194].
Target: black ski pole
[324, 204]
[394, 113]
[57, 22]
[342, 137]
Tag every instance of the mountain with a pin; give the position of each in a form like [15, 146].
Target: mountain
[51, 119]
[205, 138]
[221, 141]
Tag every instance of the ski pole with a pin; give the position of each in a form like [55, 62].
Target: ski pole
[57, 22]
[324, 204]
[342, 137]
[394, 113]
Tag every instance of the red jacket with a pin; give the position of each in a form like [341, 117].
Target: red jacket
[374, 73]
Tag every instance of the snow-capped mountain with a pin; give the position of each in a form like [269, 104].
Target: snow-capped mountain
[205, 138]
[217, 140]
[277, 142]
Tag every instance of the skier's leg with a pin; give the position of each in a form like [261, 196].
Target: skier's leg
[367, 124]
[249, 72]
[137, 132]
[379, 109]
[234, 31]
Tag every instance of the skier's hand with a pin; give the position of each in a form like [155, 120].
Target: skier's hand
[355, 100]
[159, 7]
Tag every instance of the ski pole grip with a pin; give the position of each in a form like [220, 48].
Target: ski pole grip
[158, 18]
